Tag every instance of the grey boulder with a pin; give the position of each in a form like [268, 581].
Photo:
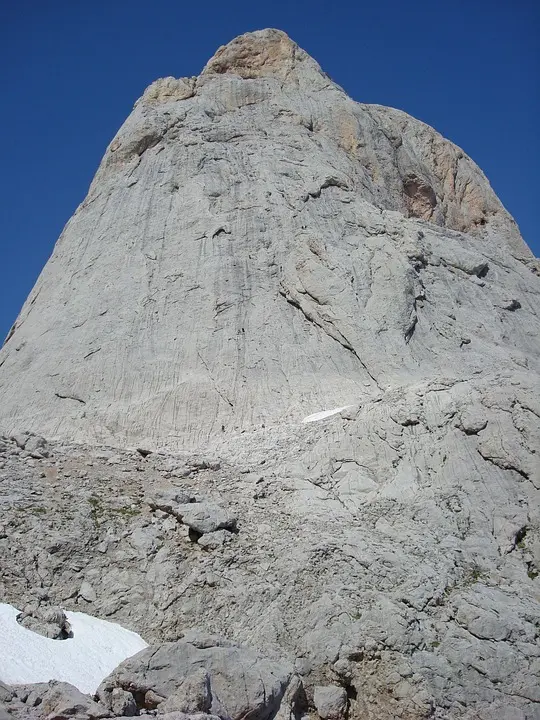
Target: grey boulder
[206, 517]
[167, 499]
[6, 692]
[51, 622]
[201, 517]
[123, 703]
[330, 701]
[65, 700]
[202, 673]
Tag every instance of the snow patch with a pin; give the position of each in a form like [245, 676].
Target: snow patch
[96, 648]
[324, 414]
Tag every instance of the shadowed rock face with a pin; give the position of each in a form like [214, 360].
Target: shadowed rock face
[257, 249]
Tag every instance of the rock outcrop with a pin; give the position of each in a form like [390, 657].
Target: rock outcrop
[202, 673]
[50, 622]
[257, 248]
[286, 358]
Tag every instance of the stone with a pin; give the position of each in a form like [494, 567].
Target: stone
[36, 446]
[87, 592]
[293, 702]
[205, 517]
[152, 699]
[283, 253]
[215, 539]
[203, 673]
[193, 696]
[167, 499]
[6, 692]
[330, 701]
[123, 703]
[472, 420]
[49, 621]
[31, 694]
[20, 439]
[63, 699]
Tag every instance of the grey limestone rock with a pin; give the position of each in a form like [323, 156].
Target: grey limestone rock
[65, 700]
[46, 620]
[330, 701]
[166, 499]
[200, 516]
[359, 228]
[214, 539]
[6, 692]
[123, 703]
[205, 517]
[36, 446]
[323, 324]
[203, 674]
[87, 592]
[31, 694]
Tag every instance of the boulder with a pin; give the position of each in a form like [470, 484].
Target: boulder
[6, 692]
[201, 517]
[49, 621]
[31, 693]
[168, 499]
[123, 703]
[20, 439]
[63, 699]
[203, 673]
[206, 517]
[330, 701]
[213, 540]
[87, 592]
[36, 446]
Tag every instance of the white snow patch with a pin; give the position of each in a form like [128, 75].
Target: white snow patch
[324, 414]
[96, 648]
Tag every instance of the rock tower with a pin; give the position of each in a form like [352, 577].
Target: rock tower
[315, 315]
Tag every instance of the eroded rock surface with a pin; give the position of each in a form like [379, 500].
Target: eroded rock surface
[256, 246]
[257, 250]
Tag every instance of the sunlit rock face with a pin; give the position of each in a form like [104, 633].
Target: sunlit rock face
[324, 320]
[256, 245]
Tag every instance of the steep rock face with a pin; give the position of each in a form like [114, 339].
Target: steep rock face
[258, 250]
[257, 246]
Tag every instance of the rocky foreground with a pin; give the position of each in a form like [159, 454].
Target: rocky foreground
[400, 608]
[274, 404]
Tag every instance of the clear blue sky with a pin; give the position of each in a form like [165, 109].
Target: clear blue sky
[72, 69]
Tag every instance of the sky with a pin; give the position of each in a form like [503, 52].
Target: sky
[70, 72]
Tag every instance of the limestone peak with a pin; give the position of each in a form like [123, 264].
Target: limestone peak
[262, 53]
[309, 329]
